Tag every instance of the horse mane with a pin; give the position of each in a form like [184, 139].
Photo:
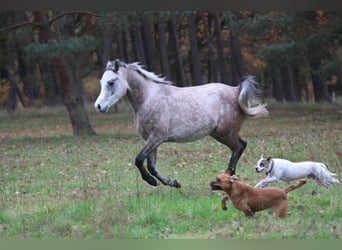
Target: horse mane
[136, 66]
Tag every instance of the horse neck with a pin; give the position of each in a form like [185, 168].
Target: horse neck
[138, 89]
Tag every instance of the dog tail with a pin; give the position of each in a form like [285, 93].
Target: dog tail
[295, 186]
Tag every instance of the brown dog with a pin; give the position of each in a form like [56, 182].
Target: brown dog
[249, 199]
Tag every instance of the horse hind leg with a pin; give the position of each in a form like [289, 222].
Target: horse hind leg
[237, 146]
[237, 152]
[152, 168]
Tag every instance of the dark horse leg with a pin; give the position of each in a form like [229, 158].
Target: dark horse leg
[149, 146]
[152, 168]
[237, 146]
[237, 152]
[149, 151]
[139, 163]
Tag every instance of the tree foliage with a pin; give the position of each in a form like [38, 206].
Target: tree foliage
[298, 53]
[57, 48]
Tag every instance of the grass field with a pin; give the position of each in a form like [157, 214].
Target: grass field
[54, 185]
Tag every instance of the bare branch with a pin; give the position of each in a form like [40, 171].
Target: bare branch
[72, 13]
[16, 26]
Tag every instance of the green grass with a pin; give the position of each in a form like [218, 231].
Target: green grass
[54, 185]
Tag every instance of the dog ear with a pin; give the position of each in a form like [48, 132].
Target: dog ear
[228, 171]
[269, 159]
[262, 156]
[233, 178]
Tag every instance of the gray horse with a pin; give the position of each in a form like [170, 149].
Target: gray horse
[166, 113]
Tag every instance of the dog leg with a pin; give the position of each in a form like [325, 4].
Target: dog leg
[223, 202]
[249, 213]
[281, 209]
[266, 181]
[245, 208]
[260, 184]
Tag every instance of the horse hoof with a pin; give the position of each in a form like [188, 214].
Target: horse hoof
[152, 181]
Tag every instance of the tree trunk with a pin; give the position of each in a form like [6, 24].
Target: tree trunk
[164, 60]
[52, 92]
[195, 61]
[13, 87]
[82, 125]
[319, 83]
[337, 72]
[277, 91]
[211, 62]
[107, 45]
[26, 69]
[237, 64]
[73, 100]
[288, 82]
[11, 98]
[137, 45]
[27, 74]
[179, 68]
[119, 45]
[125, 46]
[220, 51]
[70, 85]
[46, 67]
[148, 44]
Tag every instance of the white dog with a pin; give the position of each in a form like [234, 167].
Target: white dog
[280, 169]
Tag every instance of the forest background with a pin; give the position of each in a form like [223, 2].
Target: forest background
[49, 58]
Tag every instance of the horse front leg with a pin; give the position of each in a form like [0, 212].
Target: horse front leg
[149, 146]
[152, 168]
[237, 152]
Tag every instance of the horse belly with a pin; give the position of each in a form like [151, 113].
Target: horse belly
[187, 136]
[191, 128]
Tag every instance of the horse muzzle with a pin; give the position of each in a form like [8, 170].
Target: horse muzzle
[102, 109]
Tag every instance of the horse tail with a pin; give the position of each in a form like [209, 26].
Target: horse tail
[295, 186]
[250, 98]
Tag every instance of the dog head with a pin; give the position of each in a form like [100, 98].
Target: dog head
[263, 164]
[223, 182]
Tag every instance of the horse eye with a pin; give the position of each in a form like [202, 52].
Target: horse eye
[111, 82]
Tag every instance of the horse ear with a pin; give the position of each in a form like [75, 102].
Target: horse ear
[116, 66]
[109, 65]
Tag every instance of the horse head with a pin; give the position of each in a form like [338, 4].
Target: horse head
[113, 86]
